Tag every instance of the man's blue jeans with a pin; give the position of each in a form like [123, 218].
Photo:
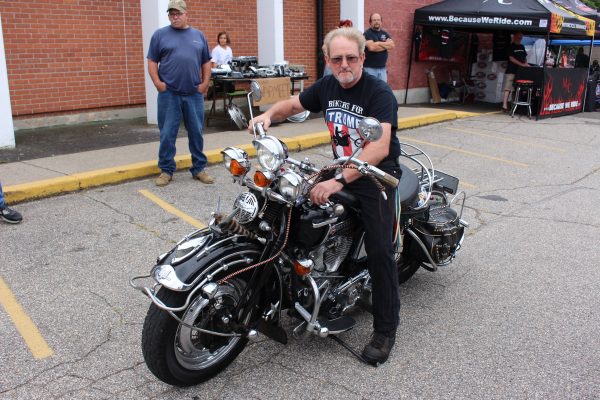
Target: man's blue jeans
[1, 197]
[380, 73]
[172, 108]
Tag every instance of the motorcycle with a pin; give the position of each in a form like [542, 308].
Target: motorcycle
[224, 285]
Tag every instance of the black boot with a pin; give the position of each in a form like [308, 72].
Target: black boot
[378, 349]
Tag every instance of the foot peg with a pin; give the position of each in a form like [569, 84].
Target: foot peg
[324, 328]
[338, 325]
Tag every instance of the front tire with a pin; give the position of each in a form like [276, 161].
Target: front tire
[181, 356]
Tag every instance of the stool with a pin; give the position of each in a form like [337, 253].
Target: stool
[527, 87]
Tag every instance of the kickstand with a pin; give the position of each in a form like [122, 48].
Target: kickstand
[351, 350]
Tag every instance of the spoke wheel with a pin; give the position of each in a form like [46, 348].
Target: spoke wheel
[195, 350]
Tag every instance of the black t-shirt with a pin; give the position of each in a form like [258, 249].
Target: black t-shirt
[376, 59]
[343, 109]
[518, 52]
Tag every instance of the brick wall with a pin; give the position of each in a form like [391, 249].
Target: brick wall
[69, 55]
[331, 17]
[236, 17]
[300, 34]
[64, 55]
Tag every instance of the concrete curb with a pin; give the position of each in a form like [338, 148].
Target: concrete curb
[108, 176]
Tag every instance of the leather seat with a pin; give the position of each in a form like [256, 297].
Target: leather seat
[409, 187]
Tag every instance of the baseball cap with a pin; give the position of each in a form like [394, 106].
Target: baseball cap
[177, 5]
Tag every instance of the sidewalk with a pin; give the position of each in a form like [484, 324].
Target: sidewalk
[47, 176]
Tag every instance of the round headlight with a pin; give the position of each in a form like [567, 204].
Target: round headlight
[270, 153]
[290, 185]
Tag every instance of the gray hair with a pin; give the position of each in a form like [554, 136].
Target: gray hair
[352, 34]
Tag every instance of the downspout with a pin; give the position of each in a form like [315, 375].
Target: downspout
[412, 45]
[320, 59]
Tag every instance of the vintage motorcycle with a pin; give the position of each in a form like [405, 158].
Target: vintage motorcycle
[223, 285]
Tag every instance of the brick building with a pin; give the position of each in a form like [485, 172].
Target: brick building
[75, 60]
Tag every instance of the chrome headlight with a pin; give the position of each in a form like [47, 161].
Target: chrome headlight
[290, 185]
[236, 161]
[270, 152]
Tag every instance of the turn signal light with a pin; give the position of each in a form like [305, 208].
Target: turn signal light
[236, 168]
[303, 267]
[261, 180]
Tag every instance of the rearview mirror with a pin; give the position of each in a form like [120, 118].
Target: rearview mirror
[370, 129]
[255, 90]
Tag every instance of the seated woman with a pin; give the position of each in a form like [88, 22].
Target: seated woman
[222, 53]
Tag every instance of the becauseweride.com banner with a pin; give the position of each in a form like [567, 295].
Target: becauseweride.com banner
[563, 92]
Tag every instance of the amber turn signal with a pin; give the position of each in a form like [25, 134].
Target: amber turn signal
[261, 180]
[236, 168]
[303, 267]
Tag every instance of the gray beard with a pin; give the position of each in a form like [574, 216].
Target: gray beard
[345, 80]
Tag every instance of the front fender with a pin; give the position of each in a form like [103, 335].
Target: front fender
[218, 255]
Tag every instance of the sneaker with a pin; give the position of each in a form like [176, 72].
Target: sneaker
[204, 177]
[9, 215]
[378, 349]
[163, 179]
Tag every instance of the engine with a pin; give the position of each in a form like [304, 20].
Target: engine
[328, 256]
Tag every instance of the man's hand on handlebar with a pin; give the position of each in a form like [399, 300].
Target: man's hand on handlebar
[263, 119]
[320, 193]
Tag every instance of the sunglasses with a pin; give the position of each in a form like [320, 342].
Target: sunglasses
[340, 59]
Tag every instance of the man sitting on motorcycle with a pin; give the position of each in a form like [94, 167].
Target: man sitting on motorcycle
[345, 97]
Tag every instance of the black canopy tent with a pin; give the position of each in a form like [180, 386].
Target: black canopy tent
[526, 15]
[540, 17]
[577, 7]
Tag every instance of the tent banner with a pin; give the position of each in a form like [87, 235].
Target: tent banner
[484, 21]
[563, 91]
[574, 25]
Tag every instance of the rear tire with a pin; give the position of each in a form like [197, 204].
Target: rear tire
[181, 356]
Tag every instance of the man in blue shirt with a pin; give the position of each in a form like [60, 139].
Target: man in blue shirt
[179, 65]
[376, 52]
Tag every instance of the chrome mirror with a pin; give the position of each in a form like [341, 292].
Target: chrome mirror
[369, 129]
[255, 90]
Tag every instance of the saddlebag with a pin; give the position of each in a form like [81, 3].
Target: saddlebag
[441, 233]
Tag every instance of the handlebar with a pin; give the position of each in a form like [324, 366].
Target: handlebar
[379, 174]
[390, 180]
[258, 128]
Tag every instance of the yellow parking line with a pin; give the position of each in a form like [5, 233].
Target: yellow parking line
[25, 326]
[506, 139]
[169, 208]
[471, 153]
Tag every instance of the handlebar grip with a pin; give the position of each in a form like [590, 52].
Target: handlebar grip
[390, 180]
[258, 127]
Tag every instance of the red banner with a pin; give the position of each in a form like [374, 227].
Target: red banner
[563, 91]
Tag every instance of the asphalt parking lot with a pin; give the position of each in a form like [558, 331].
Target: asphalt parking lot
[515, 316]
